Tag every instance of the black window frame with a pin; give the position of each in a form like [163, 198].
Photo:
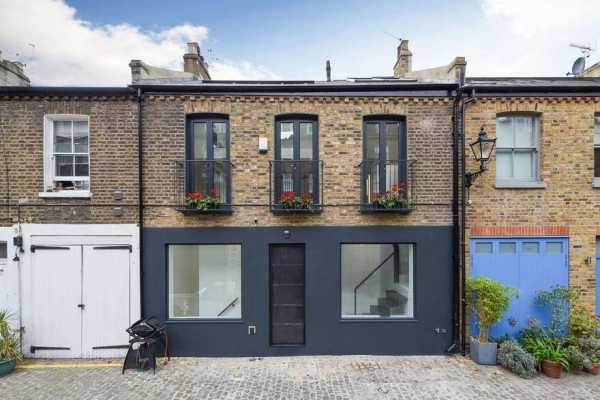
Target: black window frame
[596, 147]
[382, 120]
[296, 120]
[209, 119]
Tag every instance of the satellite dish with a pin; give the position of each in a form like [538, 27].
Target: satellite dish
[578, 66]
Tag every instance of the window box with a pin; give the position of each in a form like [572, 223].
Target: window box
[203, 186]
[395, 195]
[304, 175]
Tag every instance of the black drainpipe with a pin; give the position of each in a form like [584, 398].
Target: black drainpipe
[456, 258]
[141, 198]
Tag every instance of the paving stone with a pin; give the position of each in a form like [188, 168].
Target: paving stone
[314, 377]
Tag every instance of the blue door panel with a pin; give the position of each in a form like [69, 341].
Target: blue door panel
[598, 276]
[528, 264]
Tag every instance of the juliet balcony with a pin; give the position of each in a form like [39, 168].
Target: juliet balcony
[203, 186]
[296, 186]
[387, 186]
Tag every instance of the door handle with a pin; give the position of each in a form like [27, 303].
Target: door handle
[82, 306]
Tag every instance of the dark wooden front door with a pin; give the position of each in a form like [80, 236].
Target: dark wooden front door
[287, 294]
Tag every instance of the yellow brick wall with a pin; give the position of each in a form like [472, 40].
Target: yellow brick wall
[340, 119]
[568, 202]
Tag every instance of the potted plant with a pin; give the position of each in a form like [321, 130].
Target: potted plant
[550, 356]
[590, 348]
[290, 201]
[9, 345]
[487, 300]
[195, 200]
[396, 198]
[513, 357]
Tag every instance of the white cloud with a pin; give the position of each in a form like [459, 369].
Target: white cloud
[531, 37]
[70, 51]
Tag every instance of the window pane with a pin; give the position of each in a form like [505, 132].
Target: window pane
[82, 166]
[524, 132]
[504, 132]
[508, 248]
[554, 247]
[64, 165]
[205, 281]
[377, 280]
[597, 130]
[306, 179]
[503, 164]
[531, 247]
[287, 140]
[524, 164]
[3, 250]
[200, 140]
[306, 141]
[392, 135]
[597, 162]
[483, 248]
[372, 141]
[219, 140]
[62, 136]
[80, 136]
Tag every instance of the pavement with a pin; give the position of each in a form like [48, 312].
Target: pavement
[310, 377]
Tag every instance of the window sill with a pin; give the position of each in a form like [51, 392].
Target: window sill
[71, 194]
[596, 183]
[519, 185]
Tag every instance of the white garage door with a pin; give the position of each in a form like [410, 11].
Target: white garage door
[80, 301]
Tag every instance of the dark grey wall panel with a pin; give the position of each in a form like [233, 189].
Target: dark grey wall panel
[326, 332]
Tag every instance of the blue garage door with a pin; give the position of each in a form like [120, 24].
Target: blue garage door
[598, 276]
[529, 264]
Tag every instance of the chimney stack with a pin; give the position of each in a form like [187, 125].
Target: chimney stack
[194, 63]
[404, 60]
[328, 70]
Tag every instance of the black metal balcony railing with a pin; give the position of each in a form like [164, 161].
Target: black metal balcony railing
[387, 186]
[203, 186]
[296, 186]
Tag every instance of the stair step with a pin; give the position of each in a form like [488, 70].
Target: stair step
[380, 310]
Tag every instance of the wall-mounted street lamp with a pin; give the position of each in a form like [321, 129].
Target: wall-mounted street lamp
[482, 150]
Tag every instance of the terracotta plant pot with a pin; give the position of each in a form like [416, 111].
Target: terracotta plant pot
[551, 369]
[595, 370]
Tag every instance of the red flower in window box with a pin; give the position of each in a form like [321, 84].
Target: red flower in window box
[196, 200]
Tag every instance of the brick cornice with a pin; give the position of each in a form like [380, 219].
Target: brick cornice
[522, 230]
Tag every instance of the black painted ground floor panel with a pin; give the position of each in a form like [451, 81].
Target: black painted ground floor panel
[394, 295]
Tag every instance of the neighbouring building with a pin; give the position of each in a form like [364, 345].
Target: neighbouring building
[12, 74]
[533, 218]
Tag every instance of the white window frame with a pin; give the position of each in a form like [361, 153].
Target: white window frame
[513, 182]
[49, 165]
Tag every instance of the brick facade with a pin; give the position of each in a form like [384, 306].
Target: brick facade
[113, 160]
[429, 127]
[567, 206]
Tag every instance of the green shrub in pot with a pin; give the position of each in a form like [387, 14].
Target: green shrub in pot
[9, 345]
[513, 357]
[487, 300]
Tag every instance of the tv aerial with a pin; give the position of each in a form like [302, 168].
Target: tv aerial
[579, 64]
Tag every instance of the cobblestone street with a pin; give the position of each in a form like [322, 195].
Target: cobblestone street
[322, 377]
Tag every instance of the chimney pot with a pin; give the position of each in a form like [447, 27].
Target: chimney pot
[328, 70]
[194, 63]
[403, 61]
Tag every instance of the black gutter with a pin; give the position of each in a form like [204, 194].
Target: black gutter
[67, 90]
[524, 91]
[456, 222]
[140, 100]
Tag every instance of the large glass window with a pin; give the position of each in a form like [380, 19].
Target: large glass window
[205, 281]
[377, 280]
[517, 148]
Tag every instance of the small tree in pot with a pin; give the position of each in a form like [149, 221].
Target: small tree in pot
[9, 345]
[487, 301]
